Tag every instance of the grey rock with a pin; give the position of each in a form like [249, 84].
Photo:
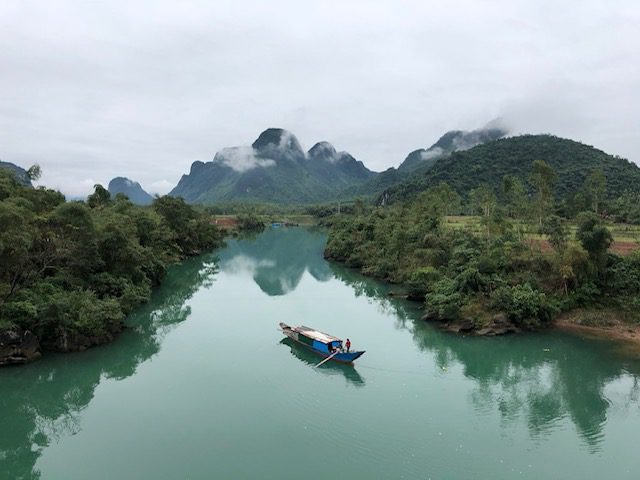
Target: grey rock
[18, 346]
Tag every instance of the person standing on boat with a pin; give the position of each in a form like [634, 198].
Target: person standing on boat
[348, 345]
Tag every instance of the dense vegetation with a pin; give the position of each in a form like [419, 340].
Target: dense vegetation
[482, 275]
[71, 271]
[489, 163]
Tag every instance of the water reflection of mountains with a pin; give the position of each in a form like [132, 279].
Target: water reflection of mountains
[349, 372]
[41, 402]
[278, 258]
[540, 377]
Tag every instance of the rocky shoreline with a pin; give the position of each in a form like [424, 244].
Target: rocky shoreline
[611, 327]
[18, 346]
[498, 325]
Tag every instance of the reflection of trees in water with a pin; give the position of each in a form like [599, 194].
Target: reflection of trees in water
[349, 372]
[41, 402]
[540, 377]
[377, 292]
[278, 258]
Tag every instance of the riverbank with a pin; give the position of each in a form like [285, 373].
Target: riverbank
[71, 272]
[601, 324]
[489, 279]
[605, 324]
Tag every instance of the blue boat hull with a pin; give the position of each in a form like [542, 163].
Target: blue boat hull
[306, 356]
[320, 343]
[343, 357]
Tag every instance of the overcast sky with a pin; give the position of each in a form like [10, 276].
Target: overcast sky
[93, 90]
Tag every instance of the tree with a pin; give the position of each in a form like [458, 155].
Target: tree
[448, 197]
[484, 200]
[515, 196]
[18, 235]
[192, 230]
[542, 178]
[596, 187]
[34, 172]
[72, 226]
[556, 232]
[99, 198]
[594, 237]
[438, 201]
[567, 274]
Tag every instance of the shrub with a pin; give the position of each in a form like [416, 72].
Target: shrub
[425, 276]
[524, 305]
[249, 222]
[623, 274]
[444, 299]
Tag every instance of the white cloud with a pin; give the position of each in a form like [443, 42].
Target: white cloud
[141, 89]
[241, 158]
[289, 141]
[76, 189]
[431, 153]
[245, 264]
[161, 187]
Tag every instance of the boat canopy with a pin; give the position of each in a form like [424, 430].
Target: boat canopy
[316, 335]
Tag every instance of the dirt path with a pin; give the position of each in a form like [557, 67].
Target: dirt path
[628, 336]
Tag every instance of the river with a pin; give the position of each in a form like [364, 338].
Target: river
[202, 386]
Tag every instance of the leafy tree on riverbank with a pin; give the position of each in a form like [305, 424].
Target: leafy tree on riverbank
[463, 273]
[71, 271]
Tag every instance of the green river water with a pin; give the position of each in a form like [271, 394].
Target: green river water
[202, 386]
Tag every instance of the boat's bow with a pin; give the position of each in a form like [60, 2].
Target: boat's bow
[348, 357]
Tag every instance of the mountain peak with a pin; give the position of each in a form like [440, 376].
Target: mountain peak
[133, 190]
[276, 137]
[453, 141]
[323, 150]
[456, 140]
[274, 169]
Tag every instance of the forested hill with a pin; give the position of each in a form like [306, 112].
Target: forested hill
[491, 162]
[452, 141]
[275, 169]
[423, 159]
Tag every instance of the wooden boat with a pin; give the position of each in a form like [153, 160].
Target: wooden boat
[323, 344]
